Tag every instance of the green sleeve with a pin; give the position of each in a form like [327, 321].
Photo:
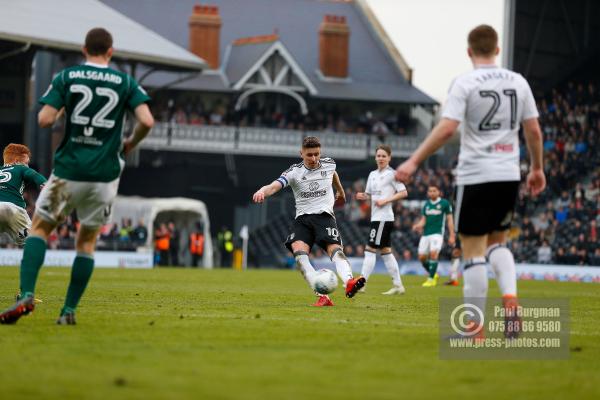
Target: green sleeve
[423, 209]
[32, 176]
[137, 94]
[448, 207]
[55, 95]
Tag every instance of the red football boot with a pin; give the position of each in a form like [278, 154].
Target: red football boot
[512, 320]
[354, 285]
[324, 301]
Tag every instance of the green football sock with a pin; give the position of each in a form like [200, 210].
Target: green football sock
[83, 265]
[33, 258]
[425, 265]
[433, 264]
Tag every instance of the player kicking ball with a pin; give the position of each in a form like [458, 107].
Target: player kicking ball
[383, 190]
[312, 181]
[434, 215]
[87, 165]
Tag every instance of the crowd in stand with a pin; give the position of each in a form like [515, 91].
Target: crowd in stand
[320, 118]
[559, 226]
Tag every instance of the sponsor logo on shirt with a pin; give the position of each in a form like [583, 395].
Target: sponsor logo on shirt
[311, 195]
[430, 211]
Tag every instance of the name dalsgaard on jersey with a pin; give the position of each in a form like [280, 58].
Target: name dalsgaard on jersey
[96, 76]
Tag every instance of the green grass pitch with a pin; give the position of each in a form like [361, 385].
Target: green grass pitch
[178, 334]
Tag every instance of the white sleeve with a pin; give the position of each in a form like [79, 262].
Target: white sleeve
[398, 186]
[529, 107]
[287, 177]
[456, 103]
[368, 188]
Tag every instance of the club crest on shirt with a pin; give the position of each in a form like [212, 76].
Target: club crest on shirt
[324, 174]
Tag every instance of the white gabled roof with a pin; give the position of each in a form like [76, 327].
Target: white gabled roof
[63, 24]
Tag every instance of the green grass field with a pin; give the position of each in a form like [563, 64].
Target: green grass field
[176, 334]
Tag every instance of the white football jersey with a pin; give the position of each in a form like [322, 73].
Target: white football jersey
[491, 103]
[312, 188]
[383, 185]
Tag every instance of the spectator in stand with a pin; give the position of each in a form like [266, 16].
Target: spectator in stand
[174, 244]
[407, 256]
[544, 253]
[595, 258]
[139, 235]
[125, 231]
[162, 244]
[196, 245]
[561, 215]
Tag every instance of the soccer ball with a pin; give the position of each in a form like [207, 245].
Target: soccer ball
[325, 281]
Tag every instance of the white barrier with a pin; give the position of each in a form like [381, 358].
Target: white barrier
[538, 272]
[64, 258]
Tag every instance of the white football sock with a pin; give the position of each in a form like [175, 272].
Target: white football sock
[476, 284]
[454, 268]
[368, 264]
[503, 264]
[342, 266]
[306, 267]
[392, 266]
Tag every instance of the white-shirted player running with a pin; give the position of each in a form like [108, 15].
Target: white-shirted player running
[492, 103]
[383, 190]
[311, 181]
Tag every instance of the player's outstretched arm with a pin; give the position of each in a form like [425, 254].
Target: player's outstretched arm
[536, 180]
[266, 191]
[145, 122]
[397, 196]
[442, 132]
[48, 116]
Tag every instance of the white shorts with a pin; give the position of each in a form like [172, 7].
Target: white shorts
[92, 201]
[430, 243]
[14, 222]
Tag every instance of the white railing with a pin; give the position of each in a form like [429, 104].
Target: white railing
[264, 141]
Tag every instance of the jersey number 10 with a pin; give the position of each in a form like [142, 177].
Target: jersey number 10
[99, 120]
[486, 123]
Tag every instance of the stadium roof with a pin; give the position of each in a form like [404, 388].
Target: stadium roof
[62, 25]
[377, 71]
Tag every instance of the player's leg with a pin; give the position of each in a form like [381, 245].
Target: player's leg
[475, 273]
[33, 258]
[454, 265]
[473, 223]
[502, 262]
[51, 208]
[93, 201]
[368, 264]
[371, 250]
[423, 252]
[391, 264]
[344, 270]
[81, 272]
[301, 250]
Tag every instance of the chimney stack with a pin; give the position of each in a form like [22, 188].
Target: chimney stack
[334, 40]
[205, 30]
